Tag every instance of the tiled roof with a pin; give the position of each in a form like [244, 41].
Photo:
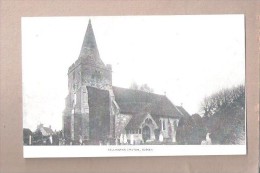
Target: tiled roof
[121, 121]
[135, 101]
[48, 130]
[136, 121]
[183, 111]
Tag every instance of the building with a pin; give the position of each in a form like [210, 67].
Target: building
[27, 136]
[46, 131]
[96, 111]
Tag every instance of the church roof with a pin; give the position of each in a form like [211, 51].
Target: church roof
[89, 53]
[136, 101]
[136, 121]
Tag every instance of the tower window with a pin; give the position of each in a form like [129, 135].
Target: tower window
[85, 98]
[96, 75]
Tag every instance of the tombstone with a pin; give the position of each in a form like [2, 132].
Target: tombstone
[132, 139]
[51, 139]
[174, 136]
[125, 139]
[121, 139]
[207, 141]
[161, 137]
[204, 142]
[30, 139]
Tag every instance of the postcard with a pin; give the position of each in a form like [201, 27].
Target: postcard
[116, 86]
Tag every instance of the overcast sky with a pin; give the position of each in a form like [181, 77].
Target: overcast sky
[187, 57]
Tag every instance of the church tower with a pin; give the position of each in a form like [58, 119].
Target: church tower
[88, 71]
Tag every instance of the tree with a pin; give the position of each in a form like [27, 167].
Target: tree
[222, 99]
[199, 131]
[37, 138]
[191, 130]
[224, 115]
[184, 130]
[134, 86]
[143, 87]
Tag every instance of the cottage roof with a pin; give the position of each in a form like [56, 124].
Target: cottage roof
[48, 130]
[136, 101]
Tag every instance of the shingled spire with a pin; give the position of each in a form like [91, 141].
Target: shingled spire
[89, 52]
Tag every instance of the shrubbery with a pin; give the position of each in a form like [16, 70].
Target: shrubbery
[223, 116]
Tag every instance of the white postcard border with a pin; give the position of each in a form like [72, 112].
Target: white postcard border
[126, 150]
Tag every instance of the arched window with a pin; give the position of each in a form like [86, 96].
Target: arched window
[85, 97]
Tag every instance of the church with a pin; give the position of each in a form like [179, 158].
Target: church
[96, 112]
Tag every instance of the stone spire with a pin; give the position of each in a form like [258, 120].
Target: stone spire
[89, 52]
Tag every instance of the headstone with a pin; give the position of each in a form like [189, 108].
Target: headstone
[121, 139]
[125, 139]
[51, 139]
[174, 136]
[80, 141]
[161, 137]
[132, 139]
[204, 142]
[30, 140]
[208, 139]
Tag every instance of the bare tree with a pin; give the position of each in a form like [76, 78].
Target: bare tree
[143, 87]
[222, 99]
[134, 86]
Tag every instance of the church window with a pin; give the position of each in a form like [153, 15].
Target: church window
[85, 99]
[164, 124]
[74, 99]
[96, 75]
[75, 86]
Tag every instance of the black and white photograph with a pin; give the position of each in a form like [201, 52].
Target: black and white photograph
[107, 86]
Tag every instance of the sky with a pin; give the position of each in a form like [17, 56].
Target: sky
[186, 57]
